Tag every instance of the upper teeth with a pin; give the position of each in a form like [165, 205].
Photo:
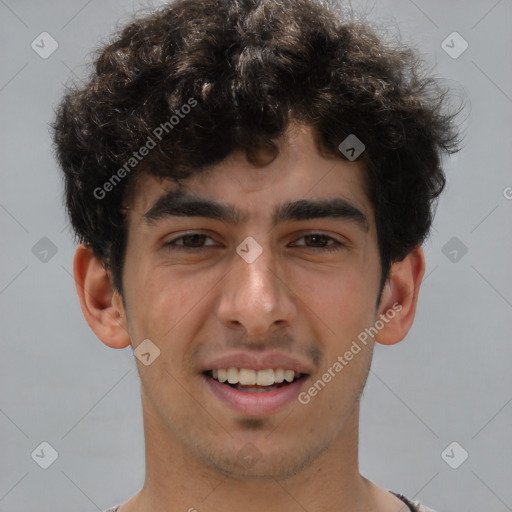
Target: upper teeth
[248, 377]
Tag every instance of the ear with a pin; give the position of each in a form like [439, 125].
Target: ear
[101, 305]
[400, 297]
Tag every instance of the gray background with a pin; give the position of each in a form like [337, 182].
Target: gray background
[450, 380]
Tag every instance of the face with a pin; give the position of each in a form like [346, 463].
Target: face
[267, 280]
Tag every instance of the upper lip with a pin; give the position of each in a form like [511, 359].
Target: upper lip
[258, 362]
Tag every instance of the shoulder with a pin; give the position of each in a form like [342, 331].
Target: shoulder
[421, 508]
[414, 506]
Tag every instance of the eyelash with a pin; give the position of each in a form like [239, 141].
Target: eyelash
[173, 246]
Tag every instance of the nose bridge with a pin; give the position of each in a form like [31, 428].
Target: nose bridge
[259, 280]
[255, 295]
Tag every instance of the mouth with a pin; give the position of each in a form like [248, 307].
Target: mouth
[255, 392]
[252, 381]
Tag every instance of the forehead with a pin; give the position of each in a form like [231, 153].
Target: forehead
[298, 172]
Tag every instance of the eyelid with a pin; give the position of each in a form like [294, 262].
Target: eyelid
[332, 242]
[302, 234]
[184, 234]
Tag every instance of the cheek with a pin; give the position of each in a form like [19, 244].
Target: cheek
[152, 301]
[341, 297]
[162, 303]
[167, 301]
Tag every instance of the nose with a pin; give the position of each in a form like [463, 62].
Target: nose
[256, 296]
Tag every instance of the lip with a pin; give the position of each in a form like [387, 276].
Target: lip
[258, 362]
[256, 404]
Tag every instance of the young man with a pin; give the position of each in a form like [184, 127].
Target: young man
[251, 182]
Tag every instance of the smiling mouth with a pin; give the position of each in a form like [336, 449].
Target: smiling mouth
[255, 381]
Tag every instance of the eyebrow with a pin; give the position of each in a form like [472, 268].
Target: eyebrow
[182, 204]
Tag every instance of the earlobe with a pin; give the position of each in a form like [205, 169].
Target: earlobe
[400, 297]
[101, 305]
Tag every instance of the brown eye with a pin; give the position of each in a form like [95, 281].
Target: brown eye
[320, 242]
[188, 242]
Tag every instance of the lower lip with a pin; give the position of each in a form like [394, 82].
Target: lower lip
[256, 404]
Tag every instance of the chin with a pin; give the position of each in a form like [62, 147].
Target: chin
[250, 464]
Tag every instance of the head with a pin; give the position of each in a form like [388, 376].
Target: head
[246, 102]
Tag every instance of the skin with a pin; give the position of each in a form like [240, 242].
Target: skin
[293, 297]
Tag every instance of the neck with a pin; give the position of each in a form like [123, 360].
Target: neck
[177, 481]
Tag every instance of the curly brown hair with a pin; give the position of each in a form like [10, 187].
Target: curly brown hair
[247, 68]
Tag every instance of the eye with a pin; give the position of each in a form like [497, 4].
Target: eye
[320, 240]
[189, 242]
[194, 242]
